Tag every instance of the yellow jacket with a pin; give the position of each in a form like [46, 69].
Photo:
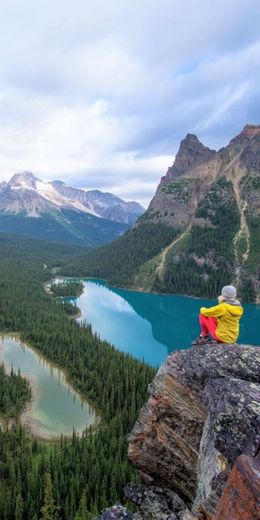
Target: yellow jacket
[228, 317]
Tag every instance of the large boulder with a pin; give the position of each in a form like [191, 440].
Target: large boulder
[117, 512]
[202, 414]
[154, 502]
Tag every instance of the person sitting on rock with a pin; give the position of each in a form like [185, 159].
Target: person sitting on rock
[222, 321]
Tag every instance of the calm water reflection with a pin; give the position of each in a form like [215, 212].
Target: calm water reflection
[148, 325]
[56, 408]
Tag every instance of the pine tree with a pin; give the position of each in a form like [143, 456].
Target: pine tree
[19, 507]
[83, 513]
[49, 509]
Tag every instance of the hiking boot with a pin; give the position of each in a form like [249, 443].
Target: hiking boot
[201, 340]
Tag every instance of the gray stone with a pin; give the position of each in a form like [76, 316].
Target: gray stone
[211, 361]
[231, 428]
[202, 413]
[117, 512]
[154, 502]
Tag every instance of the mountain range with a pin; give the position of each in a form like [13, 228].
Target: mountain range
[201, 230]
[53, 210]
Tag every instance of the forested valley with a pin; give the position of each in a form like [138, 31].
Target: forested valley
[199, 264]
[117, 262]
[74, 478]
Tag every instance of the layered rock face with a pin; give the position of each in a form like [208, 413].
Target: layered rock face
[186, 182]
[164, 444]
[201, 427]
[105, 205]
[196, 168]
[203, 413]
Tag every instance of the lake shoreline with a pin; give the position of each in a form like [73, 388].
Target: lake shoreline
[47, 289]
[146, 325]
[142, 290]
[139, 290]
[32, 425]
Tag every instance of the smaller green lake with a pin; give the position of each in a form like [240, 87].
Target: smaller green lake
[55, 408]
[150, 326]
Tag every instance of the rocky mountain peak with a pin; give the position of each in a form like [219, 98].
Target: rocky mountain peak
[191, 140]
[192, 144]
[27, 195]
[23, 180]
[250, 131]
[191, 153]
[245, 137]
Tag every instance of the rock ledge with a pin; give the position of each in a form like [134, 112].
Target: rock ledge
[196, 443]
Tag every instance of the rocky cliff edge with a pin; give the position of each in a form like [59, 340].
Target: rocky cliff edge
[196, 443]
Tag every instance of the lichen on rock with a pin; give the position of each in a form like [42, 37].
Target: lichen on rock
[196, 442]
[202, 414]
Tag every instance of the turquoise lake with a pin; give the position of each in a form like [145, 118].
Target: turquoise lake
[55, 408]
[150, 326]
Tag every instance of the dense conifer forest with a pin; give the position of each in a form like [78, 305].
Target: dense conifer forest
[74, 478]
[67, 288]
[207, 261]
[186, 270]
[117, 262]
[15, 391]
[198, 265]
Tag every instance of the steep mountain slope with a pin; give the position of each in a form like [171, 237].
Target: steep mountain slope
[38, 209]
[105, 205]
[211, 202]
[73, 227]
[120, 262]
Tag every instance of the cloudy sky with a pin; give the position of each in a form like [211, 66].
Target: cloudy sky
[99, 93]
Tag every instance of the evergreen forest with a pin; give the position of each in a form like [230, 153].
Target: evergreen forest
[15, 391]
[118, 262]
[77, 477]
[199, 264]
[206, 262]
[67, 288]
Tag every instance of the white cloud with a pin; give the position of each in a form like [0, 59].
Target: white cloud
[99, 93]
[77, 144]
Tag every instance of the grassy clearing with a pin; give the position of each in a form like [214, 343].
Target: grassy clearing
[241, 247]
[146, 273]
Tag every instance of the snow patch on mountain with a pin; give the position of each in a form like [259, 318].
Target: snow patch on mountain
[47, 191]
[25, 192]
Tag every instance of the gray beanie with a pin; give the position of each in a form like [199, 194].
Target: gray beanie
[229, 294]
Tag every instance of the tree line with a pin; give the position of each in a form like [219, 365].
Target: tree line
[67, 288]
[84, 474]
[118, 262]
[15, 391]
